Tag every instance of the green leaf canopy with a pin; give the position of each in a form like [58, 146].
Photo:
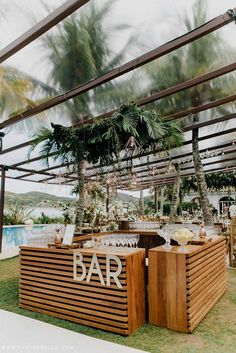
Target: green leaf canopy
[103, 142]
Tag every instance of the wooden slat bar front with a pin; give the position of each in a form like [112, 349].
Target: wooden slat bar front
[48, 286]
[184, 286]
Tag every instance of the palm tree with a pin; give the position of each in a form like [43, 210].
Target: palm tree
[19, 92]
[175, 194]
[103, 142]
[196, 58]
[79, 52]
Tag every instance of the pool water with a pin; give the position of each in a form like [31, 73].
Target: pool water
[17, 235]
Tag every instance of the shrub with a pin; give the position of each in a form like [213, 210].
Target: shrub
[16, 214]
[44, 219]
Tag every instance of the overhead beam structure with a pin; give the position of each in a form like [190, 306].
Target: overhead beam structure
[199, 32]
[41, 27]
[178, 115]
[166, 48]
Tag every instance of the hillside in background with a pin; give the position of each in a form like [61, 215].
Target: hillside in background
[36, 199]
[40, 199]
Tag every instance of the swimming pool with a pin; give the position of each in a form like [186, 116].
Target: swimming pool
[17, 235]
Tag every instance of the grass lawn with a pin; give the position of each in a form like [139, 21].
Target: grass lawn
[215, 334]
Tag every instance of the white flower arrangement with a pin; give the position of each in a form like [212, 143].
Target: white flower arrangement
[183, 235]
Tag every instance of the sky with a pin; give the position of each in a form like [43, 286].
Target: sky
[151, 22]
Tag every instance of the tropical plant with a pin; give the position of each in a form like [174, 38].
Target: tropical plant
[67, 217]
[78, 52]
[45, 219]
[214, 181]
[103, 142]
[19, 92]
[196, 58]
[16, 214]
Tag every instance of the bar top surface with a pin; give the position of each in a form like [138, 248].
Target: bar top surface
[119, 251]
[190, 249]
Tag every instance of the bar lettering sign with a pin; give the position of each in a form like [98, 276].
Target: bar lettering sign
[94, 268]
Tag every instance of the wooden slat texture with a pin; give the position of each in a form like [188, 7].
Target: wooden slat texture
[47, 286]
[202, 312]
[77, 320]
[194, 281]
[207, 263]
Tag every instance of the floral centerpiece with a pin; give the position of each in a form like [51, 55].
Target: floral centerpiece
[183, 236]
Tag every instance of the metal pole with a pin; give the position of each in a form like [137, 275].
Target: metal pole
[2, 196]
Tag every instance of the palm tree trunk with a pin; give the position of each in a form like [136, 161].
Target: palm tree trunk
[156, 199]
[162, 200]
[107, 200]
[201, 182]
[80, 203]
[175, 195]
[180, 202]
[141, 204]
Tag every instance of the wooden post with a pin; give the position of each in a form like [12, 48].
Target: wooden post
[2, 196]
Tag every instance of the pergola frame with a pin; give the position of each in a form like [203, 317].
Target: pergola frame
[54, 18]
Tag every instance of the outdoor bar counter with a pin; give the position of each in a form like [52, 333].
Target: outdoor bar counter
[184, 286]
[101, 288]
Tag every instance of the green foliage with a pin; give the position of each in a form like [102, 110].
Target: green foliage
[44, 219]
[215, 181]
[166, 208]
[16, 214]
[198, 57]
[67, 217]
[79, 51]
[103, 142]
[219, 181]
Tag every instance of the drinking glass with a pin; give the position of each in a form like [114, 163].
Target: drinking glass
[165, 234]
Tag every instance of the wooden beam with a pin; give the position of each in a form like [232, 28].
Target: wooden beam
[35, 159]
[187, 142]
[162, 182]
[210, 122]
[126, 177]
[212, 148]
[16, 147]
[162, 167]
[189, 111]
[201, 108]
[41, 27]
[167, 178]
[166, 48]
